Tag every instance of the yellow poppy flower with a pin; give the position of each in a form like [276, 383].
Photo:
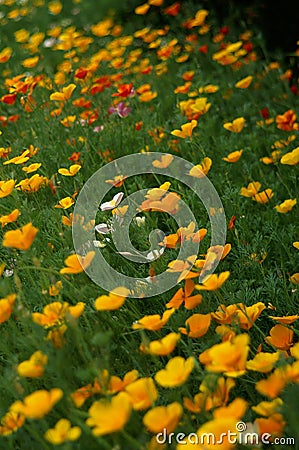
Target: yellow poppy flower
[142, 9]
[6, 187]
[6, 307]
[233, 157]
[21, 238]
[142, 393]
[286, 206]
[263, 197]
[113, 301]
[163, 418]
[236, 126]
[263, 362]
[291, 158]
[65, 203]
[37, 404]
[11, 217]
[71, 171]
[18, 159]
[244, 83]
[65, 93]
[228, 357]
[163, 346]
[213, 282]
[34, 366]
[186, 130]
[176, 372]
[197, 325]
[62, 432]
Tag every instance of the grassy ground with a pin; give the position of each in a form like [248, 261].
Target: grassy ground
[78, 360]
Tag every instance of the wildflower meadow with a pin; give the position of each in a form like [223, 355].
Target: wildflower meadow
[149, 243]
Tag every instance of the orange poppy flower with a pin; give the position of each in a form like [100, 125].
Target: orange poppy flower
[11, 422]
[280, 337]
[21, 238]
[237, 409]
[273, 426]
[263, 362]
[113, 301]
[233, 157]
[163, 418]
[154, 322]
[201, 169]
[109, 416]
[31, 168]
[76, 263]
[142, 393]
[142, 9]
[200, 106]
[247, 315]
[213, 393]
[186, 130]
[34, 366]
[216, 428]
[184, 233]
[184, 267]
[55, 313]
[9, 99]
[11, 217]
[163, 346]
[173, 9]
[112, 384]
[6, 187]
[6, 307]
[225, 314]
[216, 391]
[287, 121]
[125, 90]
[244, 83]
[251, 189]
[294, 278]
[117, 181]
[37, 404]
[285, 320]
[271, 159]
[291, 158]
[164, 162]
[183, 295]
[263, 197]
[225, 332]
[5, 54]
[274, 384]
[213, 282]
[197, 325]
[268, 408]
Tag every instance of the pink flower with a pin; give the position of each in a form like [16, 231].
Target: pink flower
[121, 109]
